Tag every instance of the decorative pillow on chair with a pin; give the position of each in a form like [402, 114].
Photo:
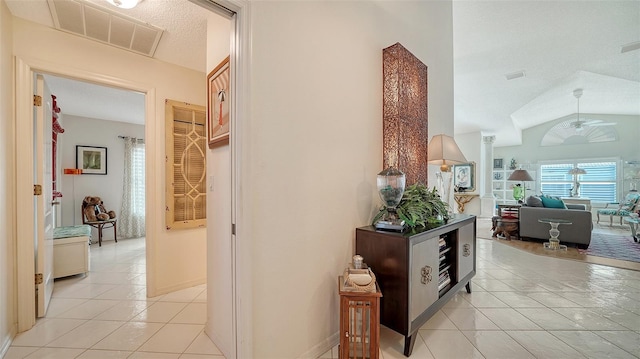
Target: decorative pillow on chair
[552, 202]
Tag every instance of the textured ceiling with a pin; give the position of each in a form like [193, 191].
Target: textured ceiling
[183, 43]
[560, 45]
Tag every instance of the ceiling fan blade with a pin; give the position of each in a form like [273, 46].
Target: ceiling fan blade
[591, 122]
[577, 123]
[603, 124]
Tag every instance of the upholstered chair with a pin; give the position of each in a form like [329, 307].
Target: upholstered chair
[629, 205]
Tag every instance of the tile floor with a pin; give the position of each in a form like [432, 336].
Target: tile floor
[524, 305]
[106, 314]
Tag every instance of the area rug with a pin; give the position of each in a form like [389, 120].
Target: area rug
[620, 247]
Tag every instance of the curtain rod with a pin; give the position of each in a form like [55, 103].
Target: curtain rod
[125, 137]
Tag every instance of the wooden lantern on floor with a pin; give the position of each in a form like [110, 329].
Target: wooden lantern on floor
[359, 322]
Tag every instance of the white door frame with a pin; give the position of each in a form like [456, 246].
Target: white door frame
[24, 70]
[240, 242]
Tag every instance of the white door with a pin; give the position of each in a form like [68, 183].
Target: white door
[43, 207]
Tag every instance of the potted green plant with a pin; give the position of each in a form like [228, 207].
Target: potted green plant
[419, 207]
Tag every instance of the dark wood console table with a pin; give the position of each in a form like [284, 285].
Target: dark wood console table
[419, 271]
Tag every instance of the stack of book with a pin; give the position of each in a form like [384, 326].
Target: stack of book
[443, 244]
[443, 280]
[510, 213]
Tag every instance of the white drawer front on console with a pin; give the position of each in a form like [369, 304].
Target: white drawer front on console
[423, 277]
[465, 250]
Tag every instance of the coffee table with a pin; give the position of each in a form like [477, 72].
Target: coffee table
[634, 223]
[554, 232]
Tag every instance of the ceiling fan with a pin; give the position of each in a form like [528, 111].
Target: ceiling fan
[580, 124]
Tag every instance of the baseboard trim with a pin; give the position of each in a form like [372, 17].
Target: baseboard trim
[7, 340]
[324, 346]
[227, 352]
[185, 285]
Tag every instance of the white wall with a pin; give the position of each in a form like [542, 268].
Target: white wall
[7, 183]
[99, 133]
[312, 148]
[219, 246]
[175, 259]
[627, 147]
[471, 146]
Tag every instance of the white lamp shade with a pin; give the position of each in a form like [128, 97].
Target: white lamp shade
[444, 151]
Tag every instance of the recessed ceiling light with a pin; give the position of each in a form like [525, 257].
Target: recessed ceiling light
[630, 47]
[515, 75]
[125, 4]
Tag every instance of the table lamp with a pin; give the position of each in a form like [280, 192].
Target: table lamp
[444, 151]
[575, 172]
[520, 175]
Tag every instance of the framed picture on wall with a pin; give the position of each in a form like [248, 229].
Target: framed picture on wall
[218, 101]
[92, 160]
[464, 177]
[497, 163]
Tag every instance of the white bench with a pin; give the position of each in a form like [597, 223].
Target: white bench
[71, 250]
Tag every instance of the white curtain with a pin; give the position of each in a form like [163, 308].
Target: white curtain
[131, 218]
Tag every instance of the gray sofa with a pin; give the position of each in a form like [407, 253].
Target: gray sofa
[579, 232]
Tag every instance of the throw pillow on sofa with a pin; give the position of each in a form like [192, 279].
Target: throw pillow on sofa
[534, 201]
[552, 202]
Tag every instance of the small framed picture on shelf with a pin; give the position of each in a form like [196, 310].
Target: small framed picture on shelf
[497, 163]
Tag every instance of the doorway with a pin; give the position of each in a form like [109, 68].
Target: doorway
[240, 278]
[24, 129]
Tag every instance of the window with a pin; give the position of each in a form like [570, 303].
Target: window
[599, 183]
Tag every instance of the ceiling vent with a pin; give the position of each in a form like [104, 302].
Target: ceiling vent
[101, 24]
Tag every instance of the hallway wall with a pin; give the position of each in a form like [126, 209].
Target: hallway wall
[219, 240]
[312, 147]
[176, 259]
[7, 183]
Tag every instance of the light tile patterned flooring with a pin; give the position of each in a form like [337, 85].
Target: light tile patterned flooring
[524, 305]
[106, 314]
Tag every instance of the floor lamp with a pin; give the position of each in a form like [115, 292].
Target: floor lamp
[444, 151]
[73, 172]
